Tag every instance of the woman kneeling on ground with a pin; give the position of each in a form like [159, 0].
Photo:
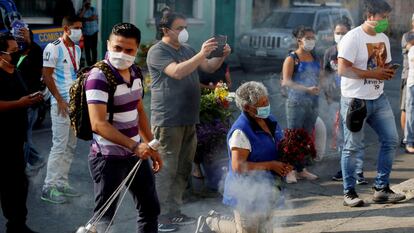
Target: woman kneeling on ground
[252, 186]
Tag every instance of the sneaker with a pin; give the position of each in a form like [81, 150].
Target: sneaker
[291, 177]
[386, 195]
[52, 195]
[36, 164]
[181, 219]
[202, 226]
[337, 176]
[306, 175]
[351, 199]
[206, 224]
[68, 191]
[402, 143]
[166, 227]
[360, 179]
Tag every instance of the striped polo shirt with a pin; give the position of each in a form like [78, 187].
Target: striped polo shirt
[56, 55]
[125, 117]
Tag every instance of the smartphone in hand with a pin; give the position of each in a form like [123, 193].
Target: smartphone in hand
[395, 66]
[35, 94]
[221, 42]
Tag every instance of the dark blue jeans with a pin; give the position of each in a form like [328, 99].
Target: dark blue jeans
[108, 174]
[30, 153]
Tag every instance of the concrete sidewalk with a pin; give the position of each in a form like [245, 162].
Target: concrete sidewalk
[311, 206]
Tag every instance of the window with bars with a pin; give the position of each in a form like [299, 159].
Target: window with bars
[38, 8]
[184, 7]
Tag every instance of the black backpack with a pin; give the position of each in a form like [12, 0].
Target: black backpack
[78, 107]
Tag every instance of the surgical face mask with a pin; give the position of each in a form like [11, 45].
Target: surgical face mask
[381, 26]
[263, 112]
[338, 38]
[309, 45]
[15, 57]
[120, 60]
[75, 35]
[183, 36]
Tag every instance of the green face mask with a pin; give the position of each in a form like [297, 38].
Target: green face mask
[382, 26]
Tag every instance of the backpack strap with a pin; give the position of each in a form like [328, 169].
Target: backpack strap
[138, 73]
[296, 60]
[112, 82]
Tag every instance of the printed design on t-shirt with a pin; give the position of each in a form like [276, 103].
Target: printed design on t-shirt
[377, 56]
[46, 57]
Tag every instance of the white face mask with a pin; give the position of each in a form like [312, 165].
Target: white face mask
[75, 35]
[338, 38]
[183, 36]
[309, 45]
[120, 60]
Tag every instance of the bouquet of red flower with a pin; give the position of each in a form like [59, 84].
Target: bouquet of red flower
[296, 147]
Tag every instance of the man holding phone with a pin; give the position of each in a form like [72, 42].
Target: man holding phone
[14, 101]
[175, 108]
[364, 59]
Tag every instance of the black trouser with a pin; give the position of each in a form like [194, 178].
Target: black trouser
[109, 173]
[13, 184]
[91, 52]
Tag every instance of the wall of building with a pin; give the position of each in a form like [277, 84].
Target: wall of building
[200, 28]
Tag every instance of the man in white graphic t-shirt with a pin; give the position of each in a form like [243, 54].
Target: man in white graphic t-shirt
[364, 59]
[60, 64]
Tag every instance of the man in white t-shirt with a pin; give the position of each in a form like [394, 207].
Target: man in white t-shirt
[409, 126]
[60, 64]
[364, 58]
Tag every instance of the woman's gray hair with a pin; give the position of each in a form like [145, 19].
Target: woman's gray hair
[249, 94]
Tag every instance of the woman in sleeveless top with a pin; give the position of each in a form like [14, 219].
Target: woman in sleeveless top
[301, 76]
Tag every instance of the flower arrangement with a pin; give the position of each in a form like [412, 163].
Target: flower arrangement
[296, 147]
[215, 104]
[214, 120]
[147, 82]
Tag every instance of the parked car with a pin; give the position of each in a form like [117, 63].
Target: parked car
[268, 44]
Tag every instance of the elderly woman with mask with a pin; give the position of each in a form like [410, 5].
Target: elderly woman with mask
[251, 186]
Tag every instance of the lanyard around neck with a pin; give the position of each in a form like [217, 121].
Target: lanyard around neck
[72, 55]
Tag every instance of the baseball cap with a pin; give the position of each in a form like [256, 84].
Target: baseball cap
[357, 111]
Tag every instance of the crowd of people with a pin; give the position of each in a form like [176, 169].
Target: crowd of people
[358, 65]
